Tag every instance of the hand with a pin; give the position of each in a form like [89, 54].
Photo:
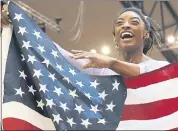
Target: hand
[95, 60]
[4, 16]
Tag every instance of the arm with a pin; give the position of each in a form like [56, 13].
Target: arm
[125, 68]
[102, 61]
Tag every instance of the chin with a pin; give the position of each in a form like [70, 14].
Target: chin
[129, 46]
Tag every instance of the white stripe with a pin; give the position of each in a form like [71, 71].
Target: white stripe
[155, 92]
[6, 39]
[163, 123]
[20, 111]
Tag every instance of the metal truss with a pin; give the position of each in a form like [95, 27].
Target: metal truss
[41, 20]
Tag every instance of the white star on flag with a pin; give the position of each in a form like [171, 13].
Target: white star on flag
[72, 72]
[31, 89]
[19, 92]
[94, 109]
[94, 84]
[52, 76]
[102, 95]
[23, 58]
[67, 79]
[85, 122]
[50, 103]
[64, 106]
[26, 44]
[57, 118]
[58, 91]
[60, 67]
[41, 48]
[73, 93]
[40, 104]
[88, 95]
[70, 121]
[110, 106]
[18, 17]
[43, 88]
[37, 34]
[80, 84]
[31, 59]
[54, 53]
[22, 74]
[22, 30]
[37, 73]
[115, 85]
[46, 62]
[101, 121]
[78, 108]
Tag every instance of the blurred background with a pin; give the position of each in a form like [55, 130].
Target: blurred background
[88, 24]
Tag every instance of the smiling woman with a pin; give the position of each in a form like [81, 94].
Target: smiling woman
[138, 27]
[134, 36]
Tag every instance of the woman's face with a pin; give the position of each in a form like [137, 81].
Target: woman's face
[129, 31]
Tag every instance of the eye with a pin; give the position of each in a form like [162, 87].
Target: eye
[119, 22]
[135, 22]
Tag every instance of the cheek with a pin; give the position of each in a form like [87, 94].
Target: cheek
[117, 30]
[139, 35]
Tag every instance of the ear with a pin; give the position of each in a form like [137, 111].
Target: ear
[114, 39]
[146, 35]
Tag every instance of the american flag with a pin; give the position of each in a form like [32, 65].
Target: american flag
[43, 90]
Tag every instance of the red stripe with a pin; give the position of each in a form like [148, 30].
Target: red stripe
[159, 75]
[151, 110]
[17, 124]
[175, 129]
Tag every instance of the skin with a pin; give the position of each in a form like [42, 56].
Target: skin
[130, 50]
[4, 16]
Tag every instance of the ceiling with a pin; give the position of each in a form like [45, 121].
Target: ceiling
[93, 28]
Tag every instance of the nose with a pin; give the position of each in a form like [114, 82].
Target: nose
[126, 26]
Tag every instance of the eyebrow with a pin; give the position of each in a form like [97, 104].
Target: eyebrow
[131, 18]
[135, 18]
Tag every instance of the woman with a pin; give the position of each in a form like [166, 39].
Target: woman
[133, 36]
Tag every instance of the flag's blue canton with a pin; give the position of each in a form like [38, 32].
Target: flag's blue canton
[38, 76]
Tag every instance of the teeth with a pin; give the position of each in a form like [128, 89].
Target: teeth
[126, 33]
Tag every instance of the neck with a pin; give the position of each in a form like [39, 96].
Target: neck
[131, 57]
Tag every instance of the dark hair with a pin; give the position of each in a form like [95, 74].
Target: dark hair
[151, 26]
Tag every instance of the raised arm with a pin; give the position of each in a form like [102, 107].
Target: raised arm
[101, 61]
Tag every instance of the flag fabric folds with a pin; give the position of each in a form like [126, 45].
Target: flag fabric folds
[44, 91]
[151, 102]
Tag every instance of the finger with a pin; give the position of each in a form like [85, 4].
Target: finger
[88, 65]
[77, 51]
[5, 8]
[5, 15]
[90, 57]
[4, 22]
[5, 19]
[72, 55]
[79, 57]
